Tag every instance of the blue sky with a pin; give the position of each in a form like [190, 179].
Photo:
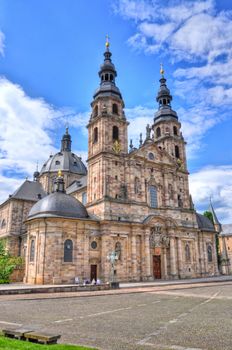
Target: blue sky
[50, 53]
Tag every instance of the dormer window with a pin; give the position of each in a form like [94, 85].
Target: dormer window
[57, 162]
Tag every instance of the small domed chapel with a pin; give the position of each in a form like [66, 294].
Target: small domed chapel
[132, 201]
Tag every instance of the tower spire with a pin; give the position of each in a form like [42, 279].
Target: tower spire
[107, 75]
[215, 219]
[66, 141]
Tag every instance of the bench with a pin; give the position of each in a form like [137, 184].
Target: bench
[30, 335]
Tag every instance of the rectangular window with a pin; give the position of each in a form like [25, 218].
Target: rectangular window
[153, 197]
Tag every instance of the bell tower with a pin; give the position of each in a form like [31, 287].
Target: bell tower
[167, 133]
[107, 132]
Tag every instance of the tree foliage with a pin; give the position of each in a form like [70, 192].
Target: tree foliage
[209, 215]
[7, 263]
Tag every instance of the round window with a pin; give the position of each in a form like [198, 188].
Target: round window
[151, 156]
[93, 245]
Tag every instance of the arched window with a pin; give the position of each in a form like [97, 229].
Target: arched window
[95, 111]
[68, 250]
[84, 198]
[95, 135]
[115, 108]
[32, 250]
[177, 152]
[137, 183]
[57, 162]
[115, 132]
[107, 77]
[180, 202]
[209, 253]
[187, 253]
[118, 250]
[174, 130]
[3, 224]
[153, 197]
[111, 77]
[164, 101]
[158, 132]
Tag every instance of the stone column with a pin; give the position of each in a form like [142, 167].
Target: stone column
[172, 257]
[215, 257]
[147, 255]
[105, 264]
[165, 271]
[180, 257]
[197, 257]
[133, 257]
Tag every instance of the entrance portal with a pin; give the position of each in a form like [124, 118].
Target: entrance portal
[157, 266]
[93, 272]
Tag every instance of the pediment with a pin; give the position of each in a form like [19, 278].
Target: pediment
[152, 153]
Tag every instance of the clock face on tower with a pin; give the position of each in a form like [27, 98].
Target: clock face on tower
[117, 147]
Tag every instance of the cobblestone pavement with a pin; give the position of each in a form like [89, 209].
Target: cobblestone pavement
[190, 317]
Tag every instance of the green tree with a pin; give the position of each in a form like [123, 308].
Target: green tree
[7, 263]
[209, 215]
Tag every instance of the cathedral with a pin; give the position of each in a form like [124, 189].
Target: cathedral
[130, 202]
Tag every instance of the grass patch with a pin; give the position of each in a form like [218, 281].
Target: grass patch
[11, 344]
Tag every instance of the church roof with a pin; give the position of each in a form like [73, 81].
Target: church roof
[58, 204]
[204, 223]
[29, 190]
[227, 229]
[77, 185]
[65, 160]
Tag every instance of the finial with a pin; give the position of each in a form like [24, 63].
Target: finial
[37, 166]
[107, 42]
[140, 140]
[66, 128]
[60, 173]
[162, 69]
[131, 145]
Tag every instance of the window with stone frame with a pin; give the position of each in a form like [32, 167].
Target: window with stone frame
[95, 135]
[95, 111]
[187, 252]
[118, 250]
[209, 253]
[175, 130]
[177, 152]
[115, 133]
[153, 196]
[32, 250]
[84, 198]
[3, 224]
[68, 250]
[115, 108]
[158, 132]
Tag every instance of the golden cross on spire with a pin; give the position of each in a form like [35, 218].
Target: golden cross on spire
[107, 41]
[161, 69]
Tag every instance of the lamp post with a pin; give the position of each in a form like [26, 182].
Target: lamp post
[112, 258]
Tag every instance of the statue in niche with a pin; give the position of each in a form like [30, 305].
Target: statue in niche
[158, 238]
[170, 191]
[123, 191]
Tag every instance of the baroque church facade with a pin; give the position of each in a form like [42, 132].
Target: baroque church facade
[134, 203]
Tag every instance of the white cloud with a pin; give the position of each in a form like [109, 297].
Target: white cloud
[27, 133]
[215, 182]
[2, 45]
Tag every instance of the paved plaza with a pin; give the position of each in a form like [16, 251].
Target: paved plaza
[178, 317]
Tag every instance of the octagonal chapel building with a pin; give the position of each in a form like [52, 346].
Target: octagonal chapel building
[135, 203]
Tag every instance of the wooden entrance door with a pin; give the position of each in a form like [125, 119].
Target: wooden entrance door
[157, 266]
[93, 272]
